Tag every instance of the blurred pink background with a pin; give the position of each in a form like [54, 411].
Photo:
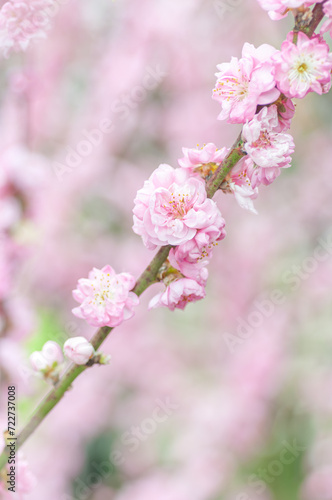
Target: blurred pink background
[239, 418]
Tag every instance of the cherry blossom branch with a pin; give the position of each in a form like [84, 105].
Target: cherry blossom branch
[149, 276]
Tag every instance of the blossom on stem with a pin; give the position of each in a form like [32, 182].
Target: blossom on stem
[304, 67]
[191, 257]
[245, 83]
[277, 9]
[172, 207]
[268, 149]
[78, 350]
[203, 161]
[178, 294]
[105, 297]
[286, 111]
[240, 183]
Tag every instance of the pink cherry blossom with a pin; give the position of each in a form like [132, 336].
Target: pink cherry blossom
[105, 297]
[304, 67]
[327, 24]
[178, 294]
[268, 149]
[240, 183]
[277, 9]
[244, 83]
[171, 207]
[209, 155]
[78, 350]
[286, 111]
[190, 257]
[22, 21]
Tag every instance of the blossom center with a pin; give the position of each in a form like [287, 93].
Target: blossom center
[264, 140]
[233, 88]
[178, 205]
[103, 290]
[302, 67]
[303, 70]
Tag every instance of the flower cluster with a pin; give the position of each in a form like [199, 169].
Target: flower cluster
[23, 21]
[262, 74]
[173, 209]
[268, 149]
[269, 78]
[256, 90]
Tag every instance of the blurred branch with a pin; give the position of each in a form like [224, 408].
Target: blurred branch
[147, 278]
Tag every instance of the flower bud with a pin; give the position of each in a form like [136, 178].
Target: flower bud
[38, 362]
[48, 358]
[78, 350]
[52, 352]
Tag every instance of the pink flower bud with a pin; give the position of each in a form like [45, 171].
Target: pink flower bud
[78, 350]
[38, 362]
[52, 352]
[45, 359]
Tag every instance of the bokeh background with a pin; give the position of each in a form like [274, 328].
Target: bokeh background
[230, 399]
